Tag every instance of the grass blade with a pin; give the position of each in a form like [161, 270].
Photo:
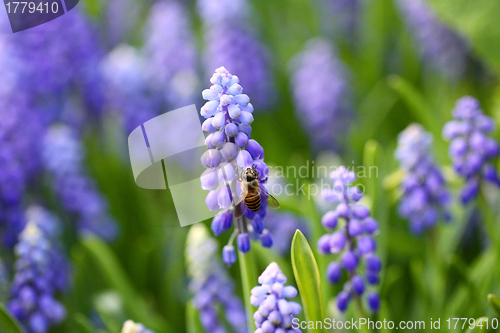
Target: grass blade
[7, 323]
[305, 270]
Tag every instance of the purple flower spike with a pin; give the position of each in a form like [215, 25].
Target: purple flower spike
[41, 270]
[322, 94]
[63, 156]
[351, 241]
[172, 53]
[275, 313]
[425, 196]
[231, 42]
[440, 47]
[472, 151]
[228, 114]
[211, 286]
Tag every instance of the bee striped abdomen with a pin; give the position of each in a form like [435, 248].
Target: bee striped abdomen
[253, 202]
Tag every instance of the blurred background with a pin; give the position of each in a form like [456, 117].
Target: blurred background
[332, 82]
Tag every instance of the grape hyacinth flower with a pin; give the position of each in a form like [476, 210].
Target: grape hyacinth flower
[285, 224]
[322, 94]
[425, 196]
[211, 285]
[230, 42]
[130, 327]
[19, 153]
[471, 150]
[63, 157]
[171, 51]
[41, 270]
[61, 62]
[127, 86]
[439, 46]
[275, 312]
[352, 241]
[228, 114]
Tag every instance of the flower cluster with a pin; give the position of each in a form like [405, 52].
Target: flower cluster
[231, 43]
[172, 54]
[322, 94]
[425, 196]
[130, 327]
[353, 240]
[440, 47]
[471, 150]
[57, 63]
[211, 285]
[40, 271]
[127, 87]
[63, 156]
[275, 313]
[228, 114]
[19, 153]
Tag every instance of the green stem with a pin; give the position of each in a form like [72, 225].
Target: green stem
[361, 309]
[436, 267]
[489, 221]
[249, 280]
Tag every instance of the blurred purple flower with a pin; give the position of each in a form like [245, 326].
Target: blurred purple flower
[41, 270]
[353, 241]
[210, 284]
[441, 48]
[61, 62]
[230, 42]
[341, 18]
[121, 17]
[63, 157]
[127, 86]
[19, 152]
[322, 94]
[425, 196]
[171, 53]
[285, 224]
[471, 149]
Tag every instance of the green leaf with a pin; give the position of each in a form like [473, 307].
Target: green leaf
[305, 270]
[115, 276]
[193, 323]
[109, 322]
[83, 323]
[373, 110]
[249, 280]
[495, 303]
[317, 230]
[7, 323]
[478, 20]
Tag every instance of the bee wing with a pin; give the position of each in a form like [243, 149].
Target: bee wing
[268, 198]
[240, 207]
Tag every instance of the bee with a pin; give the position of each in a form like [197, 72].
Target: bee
[252, 194]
